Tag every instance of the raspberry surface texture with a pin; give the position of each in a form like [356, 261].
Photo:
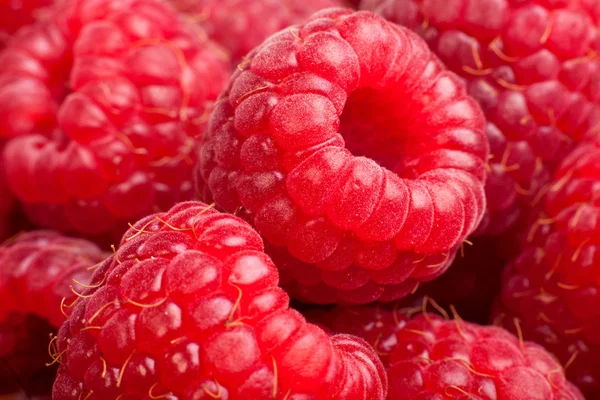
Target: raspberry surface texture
[551, 291]
[105, 102]
[431, 358]
[189, 308]
[533, 67]
[15, 14]
[241, 25]
[354, 153]
[40, 272]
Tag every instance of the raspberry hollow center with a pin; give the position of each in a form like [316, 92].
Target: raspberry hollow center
[371, 128]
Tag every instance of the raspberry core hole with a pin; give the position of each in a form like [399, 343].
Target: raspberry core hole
[370, 127]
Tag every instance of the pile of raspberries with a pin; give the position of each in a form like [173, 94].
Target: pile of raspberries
[300, 199]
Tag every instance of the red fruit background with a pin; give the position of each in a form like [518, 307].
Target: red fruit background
[241, 25]
[533, 67]
[41, 274]
[552, 289]
[437, 159]
[105, 102]
[429, 356]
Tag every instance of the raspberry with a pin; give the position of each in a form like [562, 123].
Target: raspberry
[241, 25]
[189, 308]
[38, 270]
[106, 100]
[350, 215]
[552, 289]
[16, 14]
[531, 64]
[430, 358]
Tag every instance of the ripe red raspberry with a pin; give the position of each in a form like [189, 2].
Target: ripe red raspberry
[189, 308]
[553, 287]
[38, 271]
[532, 66]
[241, 25]
[432, 358]
[106, 100]
[15, 14]
[355, 154]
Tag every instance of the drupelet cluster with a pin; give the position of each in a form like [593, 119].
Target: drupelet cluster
[188, 308]
[241, 25]
[105, 101]
[355, 160]
[40, 274]
[430, 356]
[356, 155]
[551, 291]
[533, 68]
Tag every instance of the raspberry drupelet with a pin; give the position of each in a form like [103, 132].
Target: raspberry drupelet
[188, 308]
[16, 14]
[433, 358]
[355, 154]
[241, 25]
[39, 271]
[533, 67]
[551, 291]
[105, 102]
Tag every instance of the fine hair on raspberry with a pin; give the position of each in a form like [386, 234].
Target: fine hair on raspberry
[533, 67]
[430, 356]
[551, 288]
[188, 308]
[356, 155]
[40, 274]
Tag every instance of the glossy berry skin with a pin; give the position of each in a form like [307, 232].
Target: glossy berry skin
[105, 101]
[38, 271]
[241, 25]
[431, 358]
[354, 153]
[553, 287]
[533, 68]
[15, 14]
[189, 308]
